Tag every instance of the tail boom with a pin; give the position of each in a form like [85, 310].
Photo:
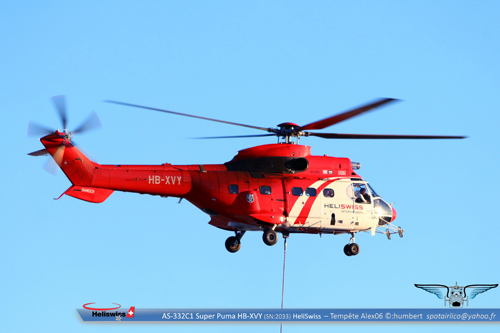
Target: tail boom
[94, 182]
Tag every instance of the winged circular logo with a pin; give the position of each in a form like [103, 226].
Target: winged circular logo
[250, 197]
[456, 295]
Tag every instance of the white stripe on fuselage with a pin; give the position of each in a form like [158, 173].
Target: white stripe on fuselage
[301, 203]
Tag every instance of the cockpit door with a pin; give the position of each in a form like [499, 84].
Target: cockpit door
[362, 202]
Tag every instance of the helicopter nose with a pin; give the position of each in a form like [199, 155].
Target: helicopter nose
[394, 214]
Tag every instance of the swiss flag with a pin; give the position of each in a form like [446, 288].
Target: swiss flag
[131, 312]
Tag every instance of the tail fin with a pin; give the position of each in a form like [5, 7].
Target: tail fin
[75, 165]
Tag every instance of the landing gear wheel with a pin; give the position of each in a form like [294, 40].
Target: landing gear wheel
[270, 237]
[400, 232]
[346, 250]
[353, 249]
[233, 244]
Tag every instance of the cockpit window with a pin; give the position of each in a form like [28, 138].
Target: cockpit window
[383, 210]
[374, 194]
[359, 193]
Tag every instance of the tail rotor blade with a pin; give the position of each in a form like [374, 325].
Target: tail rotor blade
[51, 166]
[60, 105]
[91, 123]
[38, 130]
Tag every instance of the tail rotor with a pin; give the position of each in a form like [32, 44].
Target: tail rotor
[35, 129]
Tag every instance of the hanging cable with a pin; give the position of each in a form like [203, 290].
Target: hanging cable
[283, 286]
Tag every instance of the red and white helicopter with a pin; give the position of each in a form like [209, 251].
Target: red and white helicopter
[272, 188]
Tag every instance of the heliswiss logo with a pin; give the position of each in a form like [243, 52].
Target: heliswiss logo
[108, 312]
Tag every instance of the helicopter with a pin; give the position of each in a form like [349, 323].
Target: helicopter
[272, 188]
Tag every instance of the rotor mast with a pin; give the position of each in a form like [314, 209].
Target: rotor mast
[288, 130]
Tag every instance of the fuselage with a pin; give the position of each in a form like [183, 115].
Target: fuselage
[281, 186]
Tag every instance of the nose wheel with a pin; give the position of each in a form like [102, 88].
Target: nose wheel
[352, 248]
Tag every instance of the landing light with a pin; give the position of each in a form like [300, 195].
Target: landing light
[355, 165]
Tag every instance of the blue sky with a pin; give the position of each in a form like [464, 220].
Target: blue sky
[258, 63]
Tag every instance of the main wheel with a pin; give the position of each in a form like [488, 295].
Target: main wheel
[232, 244]
[347, 251]
[353, 249]
[270, 237]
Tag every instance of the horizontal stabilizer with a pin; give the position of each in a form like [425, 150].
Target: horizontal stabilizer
[90, 194]
[40, 152]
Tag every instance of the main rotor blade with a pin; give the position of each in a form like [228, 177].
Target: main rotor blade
[190, 115]
[36, 129]
[320, 124]
[381, 136]
[60, 105]
[91, 123]
[234, 136]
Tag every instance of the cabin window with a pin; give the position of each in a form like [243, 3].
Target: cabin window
[233, 189]
[328, 193]
[310, 192]
[297, 191]
[266, 190]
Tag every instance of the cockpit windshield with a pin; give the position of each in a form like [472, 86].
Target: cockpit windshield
[374, 194]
